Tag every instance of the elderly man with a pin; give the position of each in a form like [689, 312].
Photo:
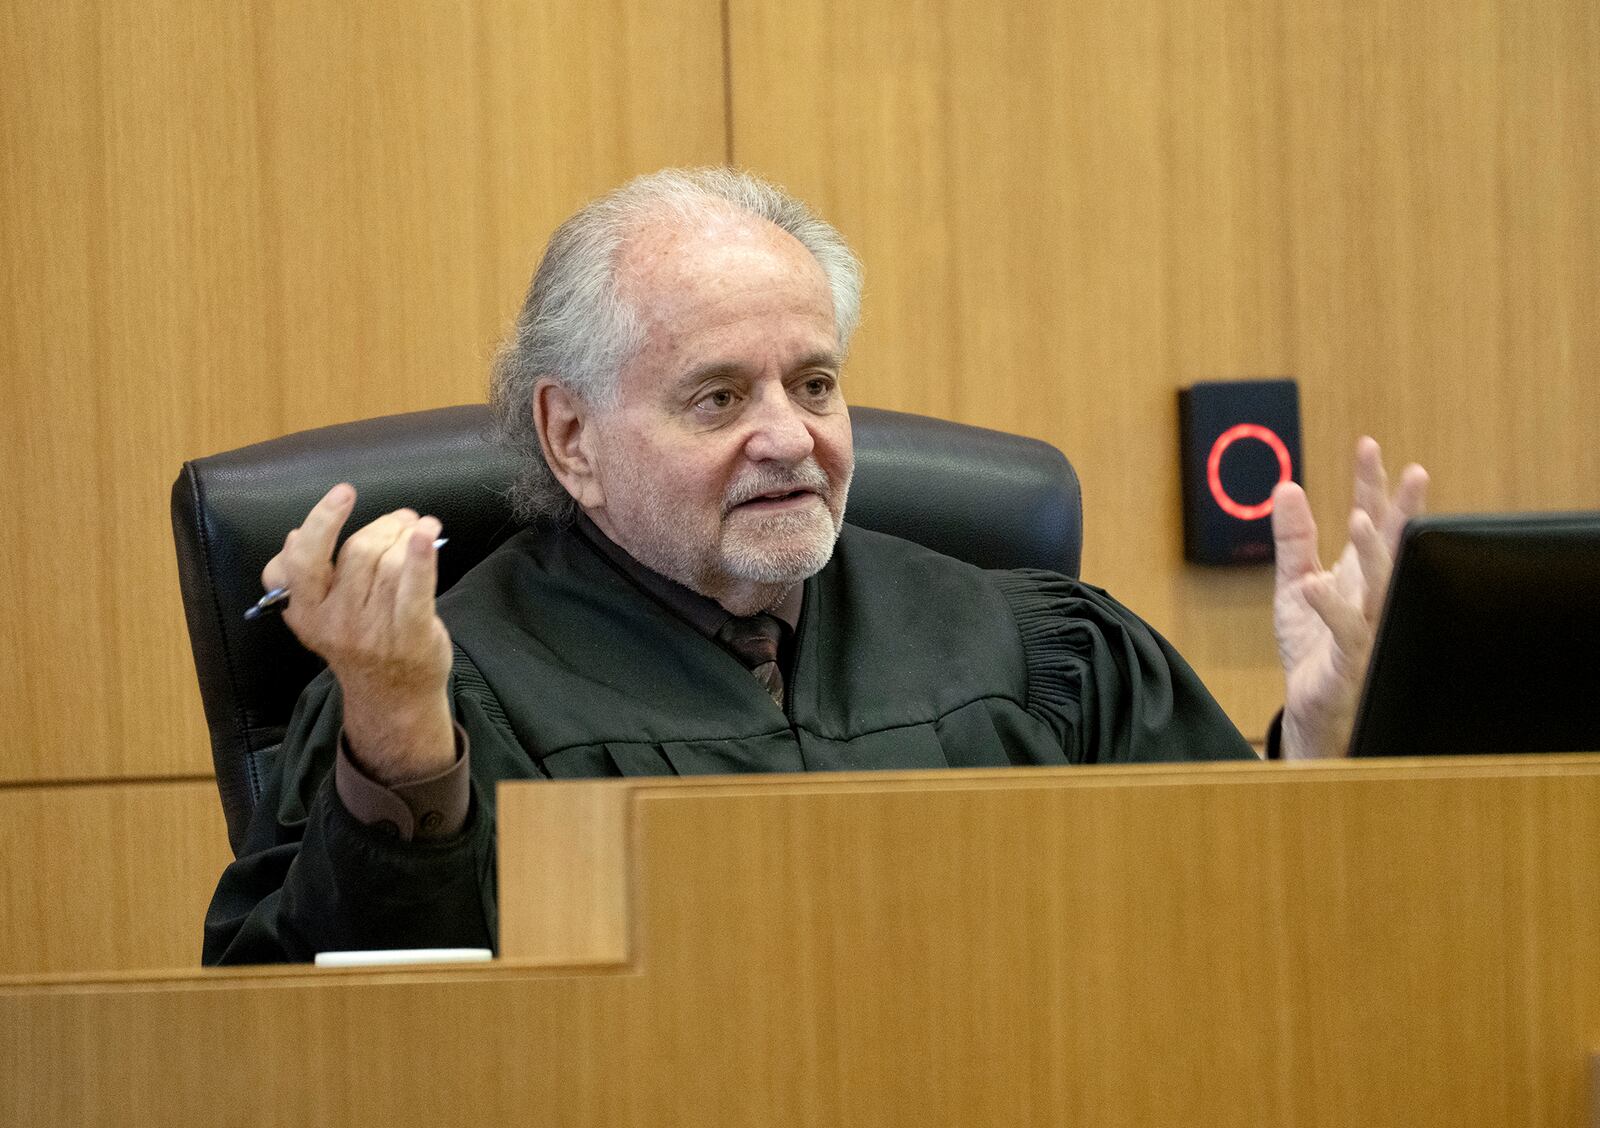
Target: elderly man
[692, 601]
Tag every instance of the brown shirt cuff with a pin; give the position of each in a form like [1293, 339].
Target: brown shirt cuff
[420, 810]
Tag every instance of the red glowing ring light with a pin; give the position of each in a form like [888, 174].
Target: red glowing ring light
[1214, 469]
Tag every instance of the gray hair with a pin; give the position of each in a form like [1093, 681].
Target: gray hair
[577, 329]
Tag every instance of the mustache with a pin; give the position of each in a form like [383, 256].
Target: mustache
[806, 476]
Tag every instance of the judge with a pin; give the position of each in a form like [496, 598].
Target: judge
[689, 598]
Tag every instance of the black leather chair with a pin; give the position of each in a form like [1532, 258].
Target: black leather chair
[996, 500]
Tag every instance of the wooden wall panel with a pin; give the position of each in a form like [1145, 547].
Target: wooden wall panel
[219, 223]
[1069, 211]
[103, 877]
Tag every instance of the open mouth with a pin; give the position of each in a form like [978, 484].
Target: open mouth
[778, 499]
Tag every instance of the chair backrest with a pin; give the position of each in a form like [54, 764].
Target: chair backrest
[993, 499]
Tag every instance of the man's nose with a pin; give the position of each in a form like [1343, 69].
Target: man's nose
[779, 429]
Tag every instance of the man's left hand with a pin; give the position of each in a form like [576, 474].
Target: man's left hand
[1326, 620]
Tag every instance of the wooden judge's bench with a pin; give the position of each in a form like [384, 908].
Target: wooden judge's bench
[1351, 945]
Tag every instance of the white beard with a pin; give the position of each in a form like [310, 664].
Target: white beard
[774, 550]
[783, 548]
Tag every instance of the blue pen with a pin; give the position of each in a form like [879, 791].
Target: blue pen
[277, 599]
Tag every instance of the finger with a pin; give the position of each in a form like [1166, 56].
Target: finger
[1351, 634]
[1372, 480]
[1410, 497]
[305, 562]
[418, 579]
[380, 593]
[359, 555]
[1347, 579]
[1376, 564]
[1294, 533]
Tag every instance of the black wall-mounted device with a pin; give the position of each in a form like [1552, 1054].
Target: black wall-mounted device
[1237, 440]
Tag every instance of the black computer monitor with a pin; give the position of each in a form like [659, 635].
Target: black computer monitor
[1489, 641]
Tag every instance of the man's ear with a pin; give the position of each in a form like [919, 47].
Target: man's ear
[566, 433]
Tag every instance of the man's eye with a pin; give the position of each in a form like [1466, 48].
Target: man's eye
[819, 387]
[718, 400]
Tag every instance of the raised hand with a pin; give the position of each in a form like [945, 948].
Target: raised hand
[1325, 621]
[370, 615]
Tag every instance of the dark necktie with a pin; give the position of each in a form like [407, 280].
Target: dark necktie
[754, 640]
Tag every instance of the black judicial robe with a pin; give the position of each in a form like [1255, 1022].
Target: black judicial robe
[903, 659]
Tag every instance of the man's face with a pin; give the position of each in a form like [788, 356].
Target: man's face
[725, 461]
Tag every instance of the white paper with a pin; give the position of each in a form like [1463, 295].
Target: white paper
[379, 957]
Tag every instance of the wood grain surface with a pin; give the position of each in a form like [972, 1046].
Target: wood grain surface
[1407, 944]
[220, 223]
[1069, 211]
[223, 222]
[102, 877]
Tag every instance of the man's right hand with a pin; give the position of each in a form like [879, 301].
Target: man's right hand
[370, 616]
